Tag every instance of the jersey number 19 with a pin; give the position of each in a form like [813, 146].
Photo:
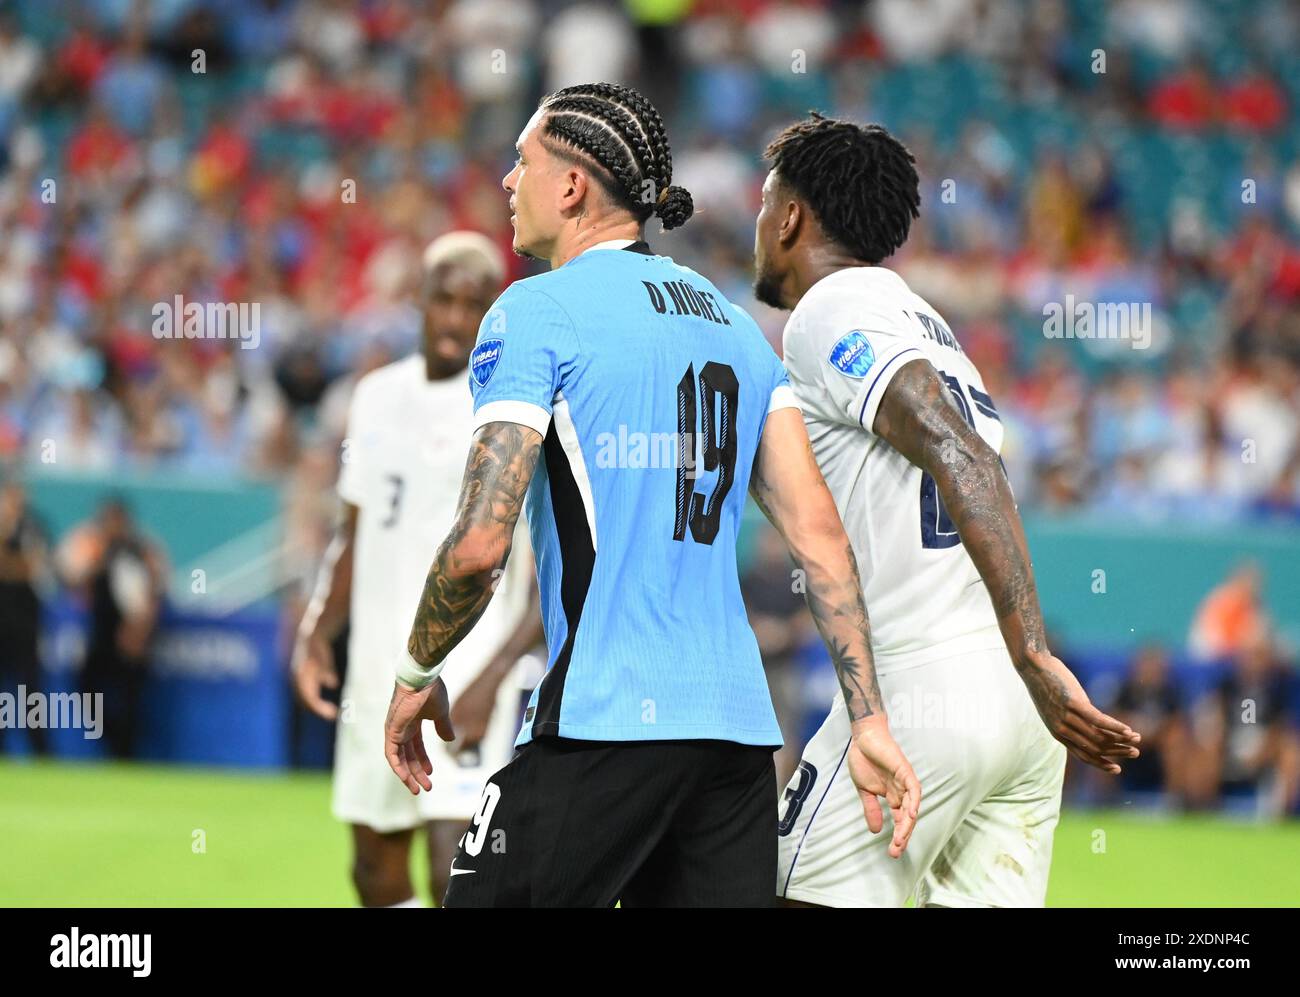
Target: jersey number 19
[718, 389]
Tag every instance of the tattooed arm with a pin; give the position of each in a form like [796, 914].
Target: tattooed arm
[472, 711]
[501, 461]
[789, 488]
[918, 419]
[459, 585]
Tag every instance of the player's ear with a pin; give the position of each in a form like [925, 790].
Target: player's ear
[574, 186]
[791, 223]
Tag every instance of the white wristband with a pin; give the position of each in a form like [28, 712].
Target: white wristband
[413, 674]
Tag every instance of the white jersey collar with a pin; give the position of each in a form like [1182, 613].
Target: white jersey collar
[611, 244]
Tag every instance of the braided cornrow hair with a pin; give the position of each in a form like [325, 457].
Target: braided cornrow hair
[859, 180]
[619, 130]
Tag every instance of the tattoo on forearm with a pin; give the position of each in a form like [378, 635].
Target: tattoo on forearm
[917, 418]
[1051, 697]
[834, 596]
[459, 584]
[840, 613]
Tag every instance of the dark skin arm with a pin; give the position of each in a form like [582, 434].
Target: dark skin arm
[789, 488]
[918, 419]
[459, 585]
[313, 656]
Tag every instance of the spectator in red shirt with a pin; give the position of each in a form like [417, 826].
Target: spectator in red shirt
[1254, 103]
[1185, 100]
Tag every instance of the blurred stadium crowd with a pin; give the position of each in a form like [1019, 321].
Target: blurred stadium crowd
[1163, 179]
[300, 155]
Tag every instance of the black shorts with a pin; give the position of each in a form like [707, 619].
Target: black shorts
[650, 823]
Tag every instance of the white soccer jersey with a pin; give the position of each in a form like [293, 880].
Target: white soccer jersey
[403, 462]
[990, 772]
[844, 342]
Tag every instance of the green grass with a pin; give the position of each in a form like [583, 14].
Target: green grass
[125, 835]
[1179, 861]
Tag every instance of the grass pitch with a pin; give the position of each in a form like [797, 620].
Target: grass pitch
[127, 835]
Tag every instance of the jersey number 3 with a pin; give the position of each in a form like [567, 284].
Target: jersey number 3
[718, 390]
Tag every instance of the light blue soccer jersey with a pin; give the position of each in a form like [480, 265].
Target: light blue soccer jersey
[651, 391]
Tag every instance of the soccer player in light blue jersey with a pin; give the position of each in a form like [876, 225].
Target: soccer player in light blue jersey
[629, 406]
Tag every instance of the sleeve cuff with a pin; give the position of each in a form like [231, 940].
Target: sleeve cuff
[527, 414]
[877, 381]
[783, 396]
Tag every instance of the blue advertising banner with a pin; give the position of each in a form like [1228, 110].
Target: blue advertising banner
[215, 692]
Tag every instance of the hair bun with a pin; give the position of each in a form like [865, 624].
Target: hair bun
[674, 206]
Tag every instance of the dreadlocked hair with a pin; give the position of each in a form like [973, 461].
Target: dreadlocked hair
[859, 181]
[621, 132]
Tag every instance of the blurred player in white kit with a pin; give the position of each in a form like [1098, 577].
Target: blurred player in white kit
[409, 425]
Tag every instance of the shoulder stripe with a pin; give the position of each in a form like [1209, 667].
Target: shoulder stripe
[577, 562]
[866, 396]
[569, 440]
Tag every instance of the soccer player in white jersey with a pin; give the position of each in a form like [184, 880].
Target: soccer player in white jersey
[907, 439]
[408, 426]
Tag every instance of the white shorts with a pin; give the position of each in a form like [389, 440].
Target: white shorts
[991, 795]
[367, 792]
